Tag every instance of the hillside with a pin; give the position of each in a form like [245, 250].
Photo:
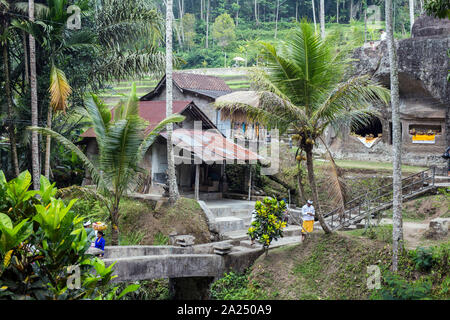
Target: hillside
[335, 267]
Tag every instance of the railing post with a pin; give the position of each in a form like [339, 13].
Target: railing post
[433, 172]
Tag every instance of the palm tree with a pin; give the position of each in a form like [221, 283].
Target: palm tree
[122, 144]
[322, 19]
[397, 228]
[4, 43]
[304, 90]
[34, 104]
[172, 179]
[411, 14]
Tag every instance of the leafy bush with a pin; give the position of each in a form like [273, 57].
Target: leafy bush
[235, 286]
[397, 288]
[422, 258]
[41, 239]
[268, 224]
[160, 239]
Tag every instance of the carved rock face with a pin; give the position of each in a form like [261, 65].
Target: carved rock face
[426, 26]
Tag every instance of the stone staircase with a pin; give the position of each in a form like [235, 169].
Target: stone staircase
[233, 218]
[367, 205]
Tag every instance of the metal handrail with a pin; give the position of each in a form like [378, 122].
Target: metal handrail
[379, 194]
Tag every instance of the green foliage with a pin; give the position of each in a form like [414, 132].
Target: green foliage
[422, 257]
[131, 238]
[235, 286]
[38, 248]
[160, 239]
[397, 288]
[223, 30]
[437, 8]
[268, 224]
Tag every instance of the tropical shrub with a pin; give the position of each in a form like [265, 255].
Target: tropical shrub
[43, 247]
[235, 286]
[268, 223]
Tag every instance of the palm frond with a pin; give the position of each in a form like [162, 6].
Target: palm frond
[40, 10]
[264, 107]
[59, 89]
[335, 183]
[358, 93]
[151, 137]
[95, 174]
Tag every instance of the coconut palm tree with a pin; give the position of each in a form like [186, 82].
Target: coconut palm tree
[171, 179]
[122, 143]
[304, 90]
[397, 227]
[34, 104]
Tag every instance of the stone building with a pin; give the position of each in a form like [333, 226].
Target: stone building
[423, 67]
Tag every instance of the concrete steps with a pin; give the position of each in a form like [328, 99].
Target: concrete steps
[237, 235]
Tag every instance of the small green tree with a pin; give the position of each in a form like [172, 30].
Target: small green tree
[224, 30]
[268, 223]
[188, 22]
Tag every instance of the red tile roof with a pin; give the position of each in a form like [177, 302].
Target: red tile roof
[199, 82]
[152, 111]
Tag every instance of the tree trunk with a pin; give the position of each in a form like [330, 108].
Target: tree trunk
[207, 24]
[397, 232]
[296, 11]
[365, 24]
[48, 145]
[322, 19]
[351, 10]
[25, 58]
[312, 183]
[276, 18]
[237, 14]
[301, 189]
[314, 15]
[11, 127]
[337, 11]
[411, 14]
[172, 180]
[256, 12]
[34, 105]
[115, 226]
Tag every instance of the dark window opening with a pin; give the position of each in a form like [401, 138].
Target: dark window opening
[372, 129]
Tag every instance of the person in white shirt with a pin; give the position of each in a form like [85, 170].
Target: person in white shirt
[383, 35]
[308, 214]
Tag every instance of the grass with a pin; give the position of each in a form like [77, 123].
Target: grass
[371, 165]
[381, 233]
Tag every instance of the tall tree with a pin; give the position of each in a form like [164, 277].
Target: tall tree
[322, 18]
[304, 90]
[171, 179]
[36, 170]
[411, 14]
[314, 15]
[337, 11]
[397, 231]
[276, 17]
[4, 43]
[207, 23]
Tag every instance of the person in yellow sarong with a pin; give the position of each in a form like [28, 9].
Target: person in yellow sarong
[308, 213]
